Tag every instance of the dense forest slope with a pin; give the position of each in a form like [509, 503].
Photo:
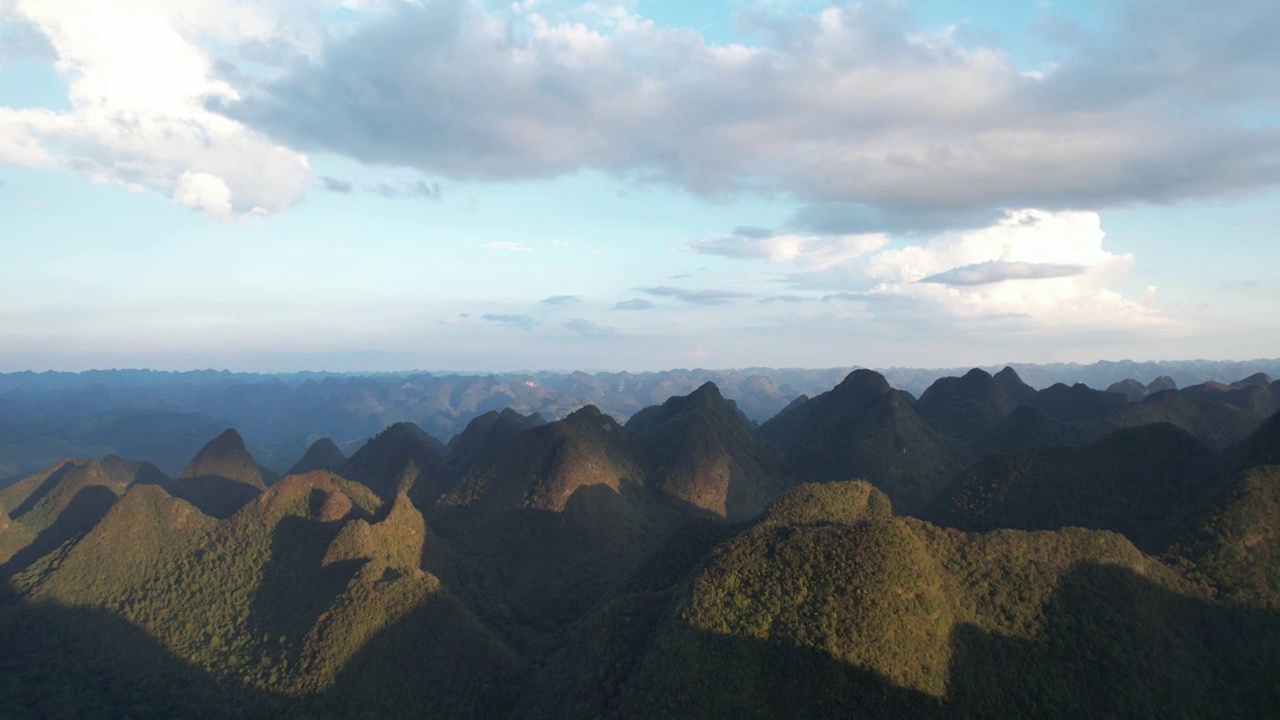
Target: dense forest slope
[988, 550]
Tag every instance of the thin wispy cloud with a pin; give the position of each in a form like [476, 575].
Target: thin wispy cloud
[695, 297]
[816, 251]
[562, 300]
[337, 185]
[588, 329]
[417, 189]
[524, 322]
[633, 304]
[994, 271]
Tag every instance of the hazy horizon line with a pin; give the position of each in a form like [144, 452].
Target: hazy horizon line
[529, 371]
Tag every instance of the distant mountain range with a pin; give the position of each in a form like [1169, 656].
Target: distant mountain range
[984, 550]
[166, 416]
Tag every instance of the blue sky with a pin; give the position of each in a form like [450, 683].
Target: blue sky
[443, 184]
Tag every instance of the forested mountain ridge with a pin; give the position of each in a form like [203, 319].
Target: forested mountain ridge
[684, 564]
[166, 417]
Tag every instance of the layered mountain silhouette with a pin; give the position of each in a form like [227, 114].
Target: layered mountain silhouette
[1140, 482]
[323, 454]
[401, 458]
[51, 509]
[485, 437]
[225, 456]
[701, 450]
[1133, 390]
[863, 428]
[989, 550]
[222, 477]
[1012, 383]
[967, 407]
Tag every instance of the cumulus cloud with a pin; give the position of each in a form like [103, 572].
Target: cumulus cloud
[877, 123]
[695, 297]
[993, 271]
[588, 329]
[524, 322]
[633, 304]
[204, 192]
[872, 122]
[562, 300]
[1044, 269]
[139, 84]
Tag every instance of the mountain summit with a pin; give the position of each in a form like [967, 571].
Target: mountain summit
[864, 429]
[225, 456]
[966, 407]
[323, 454]
[701, 450]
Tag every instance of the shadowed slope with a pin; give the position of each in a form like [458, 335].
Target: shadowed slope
[64, 662]
[1029, 427]
[1262, 447]
[1251, 396]
[67, 503]
[486, 438]
[546, 465]
[875, 616]
[1133, 390]
[300, 595]
[1216, 424]
[21, 496]
[196, 583]
[966, 407]
[221, 478]
[1141, 482]
[225, 456]
[700, 449]
[400, 458]
[1235, 540]
[863, 428]
[1014, 387]
[42, 507]
[550, 525]
[1077, 403]
[322, 455]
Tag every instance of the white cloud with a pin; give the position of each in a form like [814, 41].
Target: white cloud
[1050, 268]
[138, 84]
[853, 105]
[204, 192]
[1022, 236]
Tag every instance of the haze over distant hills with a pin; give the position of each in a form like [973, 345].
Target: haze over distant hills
[166, 416]
[985, 550]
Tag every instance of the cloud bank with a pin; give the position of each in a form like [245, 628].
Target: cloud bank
[878, 123]
[870, 121]
[139, 84]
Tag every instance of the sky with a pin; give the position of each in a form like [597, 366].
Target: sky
[279, 185]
